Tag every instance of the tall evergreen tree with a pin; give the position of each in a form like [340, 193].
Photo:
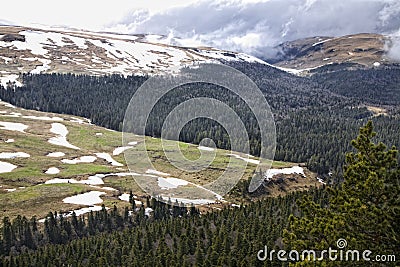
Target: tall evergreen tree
[364, 210]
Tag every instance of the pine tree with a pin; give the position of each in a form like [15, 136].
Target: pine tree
[364, 210]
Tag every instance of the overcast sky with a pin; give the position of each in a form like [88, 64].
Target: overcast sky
[251, 26]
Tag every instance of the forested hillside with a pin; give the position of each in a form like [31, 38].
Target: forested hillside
[176, 236]
[315, 117]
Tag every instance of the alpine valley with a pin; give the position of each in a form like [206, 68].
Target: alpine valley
[68, 198]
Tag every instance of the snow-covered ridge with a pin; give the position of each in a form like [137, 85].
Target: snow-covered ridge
[62, 50]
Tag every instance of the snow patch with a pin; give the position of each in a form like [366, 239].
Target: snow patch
[13, 126]
[293, 170]
[82, 211]
[206, 148]
[61, 139]
[150, 171]
[200, 201]
[12, 78]
[83, 159]
[120, 149]
[89, 198]
[6, 167]
[252, 161]
[148, 211]
[11, 155]
[52, 170]
[170, 183]
[43, 118]
[10, 189]
[108, 158]
[56, 154]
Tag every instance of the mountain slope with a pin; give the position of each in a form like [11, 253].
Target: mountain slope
[352, 51]
[30, 50]
[46, 158]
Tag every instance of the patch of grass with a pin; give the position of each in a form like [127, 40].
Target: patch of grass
[38, 200]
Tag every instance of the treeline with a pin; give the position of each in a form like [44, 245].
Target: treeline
[315, 122]
[230, 237]
[22, 234]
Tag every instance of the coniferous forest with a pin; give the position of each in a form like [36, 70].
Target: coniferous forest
[316, 117]
[364, 210]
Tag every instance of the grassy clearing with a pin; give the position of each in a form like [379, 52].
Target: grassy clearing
[38, 199]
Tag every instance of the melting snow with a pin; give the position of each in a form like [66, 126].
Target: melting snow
[253, 161]
[41, 68]
[124, 197]
[89, 198]
[199, 201]
[96, 179]
[169, 183]
[150, 171]
[61, 181]
[147, 211]
[13, 126]
[206, 148]
[6, 167]
[377, 64]
[82, 211]
[121, 149]
[10, 78]
[83, 159]
[43, 118]
[108, 158]
[10, 140]
[52, 170]
[61, 139]
[56, 154]
[321, 42]
[295, 169]
[10, 189]
[11, 155]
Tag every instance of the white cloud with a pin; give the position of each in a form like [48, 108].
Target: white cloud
[256, 26]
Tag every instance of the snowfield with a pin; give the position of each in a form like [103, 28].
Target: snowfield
[150, 171]
[109, 159]
[52, 170]
[206, 148]
[104, 53]
[62, 132]
[83, 159]
[56, 154]
[293, 170]
[13, 126]
[6, 167]
[11, 155]
[121, 149]
[252, 161]
[89, 198]
[169, 183]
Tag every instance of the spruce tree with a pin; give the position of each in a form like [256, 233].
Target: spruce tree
[364, 210]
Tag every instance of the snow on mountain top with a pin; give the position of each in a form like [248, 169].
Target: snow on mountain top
[47, 50]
